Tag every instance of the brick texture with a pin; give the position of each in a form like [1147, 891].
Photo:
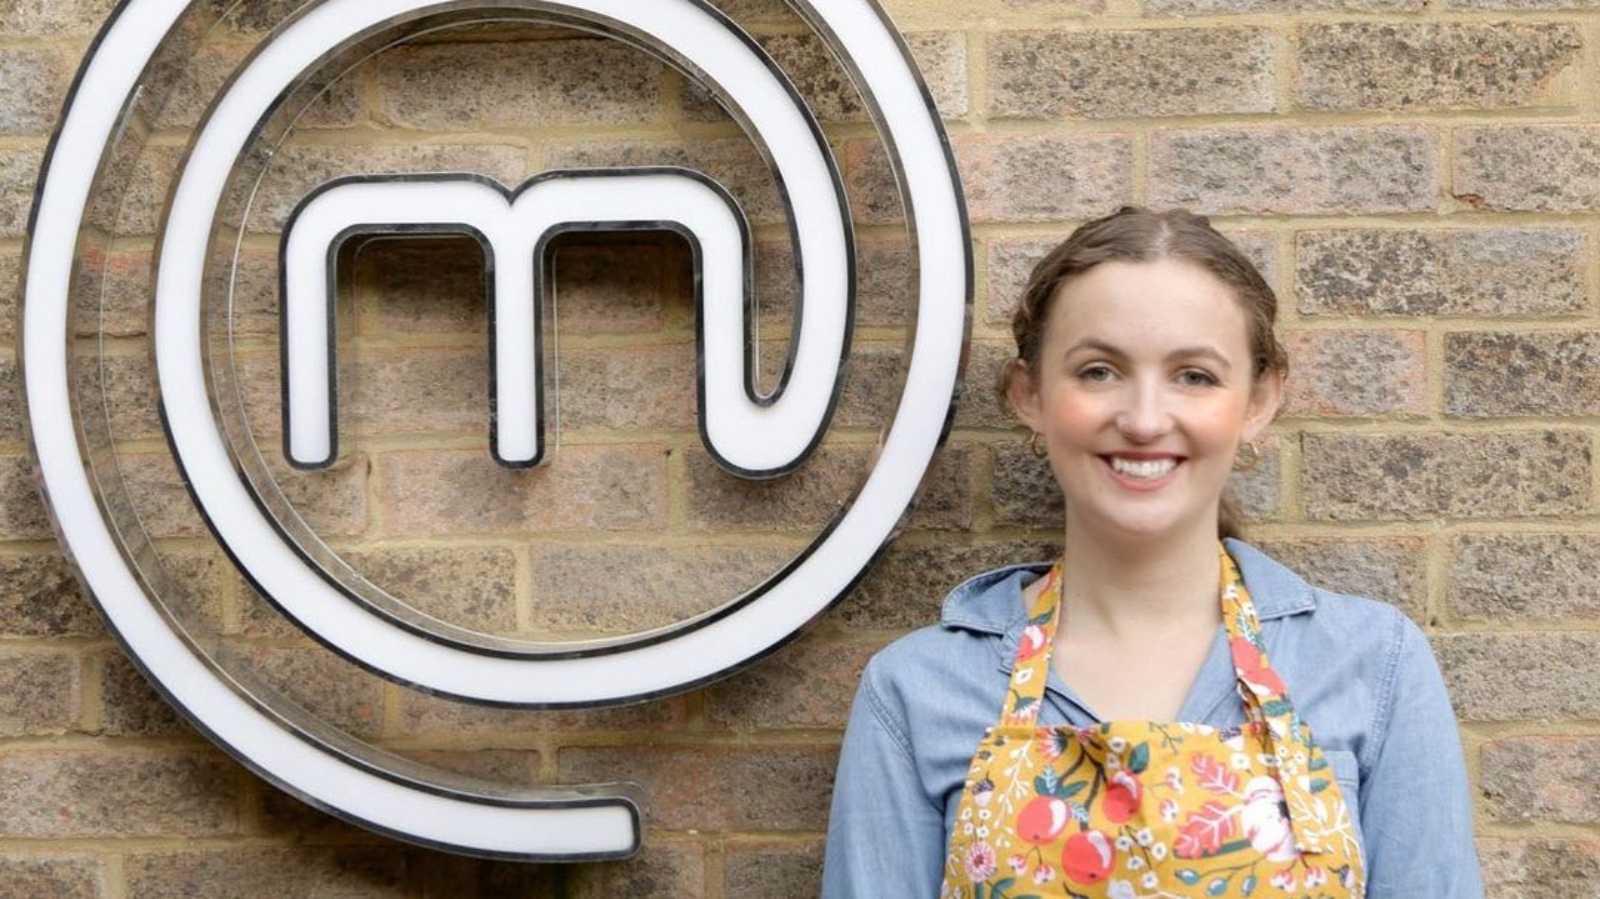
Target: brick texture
[1417, 179]
[1530, 168]
[95, 793]
[1360, 373]
[1296, 170]
[1498, 272]
[1356, 477]
[1493, 375]
[1362, 65]
[1120, 74]
[1542, 779]
[1510, 577]
[1524, 675]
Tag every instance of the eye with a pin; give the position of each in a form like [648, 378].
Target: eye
[1096, 372]
[1197, 377]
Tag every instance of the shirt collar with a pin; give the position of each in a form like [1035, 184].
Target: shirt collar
[991, 603]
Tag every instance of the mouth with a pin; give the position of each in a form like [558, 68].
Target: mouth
[1143, 469]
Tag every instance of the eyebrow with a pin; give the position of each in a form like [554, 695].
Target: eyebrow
[1183, 352]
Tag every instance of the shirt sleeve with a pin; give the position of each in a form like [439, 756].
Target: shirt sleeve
[885, 836]
[1416, 809]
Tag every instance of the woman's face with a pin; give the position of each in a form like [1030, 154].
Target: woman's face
[1143, 393]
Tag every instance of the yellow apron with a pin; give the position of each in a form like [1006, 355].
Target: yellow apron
[1143, 809]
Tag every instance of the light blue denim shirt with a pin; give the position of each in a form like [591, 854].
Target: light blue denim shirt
[1359, 672]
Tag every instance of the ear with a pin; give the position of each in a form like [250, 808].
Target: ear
[1266, 396]
[1022, 393]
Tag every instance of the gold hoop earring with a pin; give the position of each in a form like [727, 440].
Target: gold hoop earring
[1249, 457]
[1039, 452]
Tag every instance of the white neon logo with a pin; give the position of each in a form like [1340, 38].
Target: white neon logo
[752, 435]
[361, 783]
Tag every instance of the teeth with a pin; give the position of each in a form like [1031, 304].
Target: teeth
[1153, 468]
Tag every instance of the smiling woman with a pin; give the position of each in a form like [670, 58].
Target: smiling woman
[1110, 725]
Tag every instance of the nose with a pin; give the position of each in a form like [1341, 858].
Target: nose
[1144, 417]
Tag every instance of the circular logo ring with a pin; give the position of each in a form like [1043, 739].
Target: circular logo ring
[346, 781]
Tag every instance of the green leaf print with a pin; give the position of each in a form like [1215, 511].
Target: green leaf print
[1319, 784]
[1139, 759]
[1188, 875]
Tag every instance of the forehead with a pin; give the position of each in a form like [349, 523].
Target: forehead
[1162, 299]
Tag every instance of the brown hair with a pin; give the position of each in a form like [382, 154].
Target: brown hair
[1135, 234]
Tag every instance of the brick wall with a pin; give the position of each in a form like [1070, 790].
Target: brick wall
[1420, 179]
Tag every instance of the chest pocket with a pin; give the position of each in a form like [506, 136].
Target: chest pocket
[1348, 773]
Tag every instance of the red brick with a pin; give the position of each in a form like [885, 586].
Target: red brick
[1545, 779]
[1128, 74]
[1490, 271]
[1306, 171]
[1534, 168]
[1356, 373]
[472, 587]
[27, 876]
[581, 488]
[1517, 868]
[1514, 578]
[338, 872]
[907, 584]
[1044, 179]
[129, 706]
[1393, 569]
[1390, 65]
[38, 692]
[446, 719]
[676, 869]
[34, 81]
[1468, 475]
[773, 869]
[809, 683]
[204, 75]
[19, 169]
[297, 169]
[325, 685]
[40, 597]
[612, 389]
[473, 86]
[1521, 676]
[59, 794]
[576, 591]
[763, 788]
[22, 512]
[1508, 374]
[732, 162]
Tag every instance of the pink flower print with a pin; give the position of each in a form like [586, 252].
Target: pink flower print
[1169, 810]
[1018, 863]
[1263, 821]
[1049, 742]
[981, 862]
[1174, 780]
[1284, 880]
[1316, 876]
[1044, 874]
[1122, 797]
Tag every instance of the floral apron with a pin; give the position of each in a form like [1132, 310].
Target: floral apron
[1141, 809]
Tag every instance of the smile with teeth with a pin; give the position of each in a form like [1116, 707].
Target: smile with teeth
[1144, 469]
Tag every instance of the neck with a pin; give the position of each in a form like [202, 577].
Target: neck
[1115, 589]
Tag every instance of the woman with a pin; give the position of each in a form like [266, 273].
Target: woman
[1156, 715]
